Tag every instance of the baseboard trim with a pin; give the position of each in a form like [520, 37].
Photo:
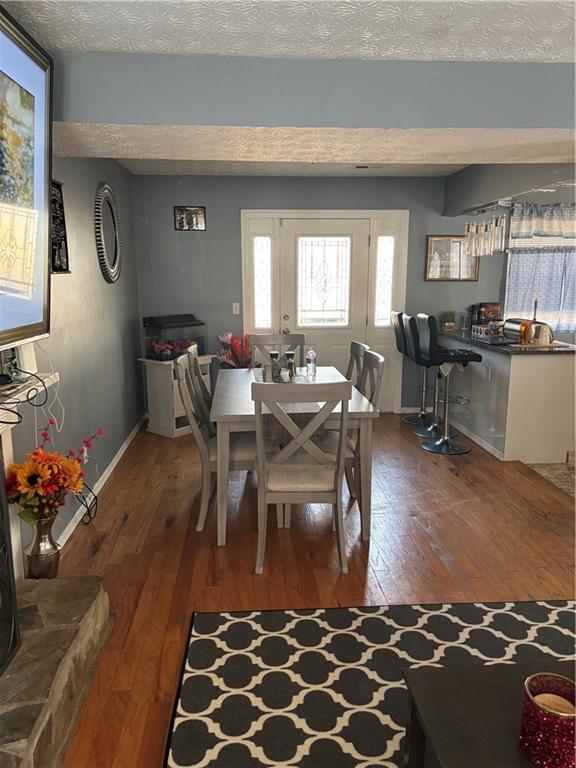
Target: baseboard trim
[478, 440]
[99, 484]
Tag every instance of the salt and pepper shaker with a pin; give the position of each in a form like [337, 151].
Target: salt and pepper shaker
[274, 367]
[290, 364]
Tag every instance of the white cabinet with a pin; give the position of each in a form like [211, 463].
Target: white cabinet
[166, 415]
[516, 406]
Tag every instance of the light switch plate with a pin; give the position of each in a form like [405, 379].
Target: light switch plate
[235, 308]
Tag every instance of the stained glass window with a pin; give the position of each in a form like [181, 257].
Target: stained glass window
[323, 280]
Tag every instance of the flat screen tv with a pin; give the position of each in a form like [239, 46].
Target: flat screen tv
[25, 170]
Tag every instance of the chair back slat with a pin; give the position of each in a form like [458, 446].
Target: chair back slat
[192, 352]
[273, 397]
[199, 428]
[370, 384]
[301, 438]
[282, 342]
[354, 370]
[201, 405]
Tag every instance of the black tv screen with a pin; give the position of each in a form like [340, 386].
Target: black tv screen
[25, 170]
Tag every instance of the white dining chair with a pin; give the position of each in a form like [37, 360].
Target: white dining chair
[242, 444]
[372, 376]
[370, 385]
[302, 471]
[264, 343]
[354, 370]
[195, 367]
[201, 403]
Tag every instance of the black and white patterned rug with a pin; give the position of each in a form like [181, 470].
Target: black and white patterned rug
[324, 688]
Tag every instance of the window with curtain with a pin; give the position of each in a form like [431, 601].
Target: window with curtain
[542, 264]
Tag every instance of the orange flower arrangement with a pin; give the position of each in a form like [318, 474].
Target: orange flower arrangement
[40, 484]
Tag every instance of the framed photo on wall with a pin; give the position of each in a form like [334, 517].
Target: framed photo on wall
[25, 175]
[189, 218]
[59, 254]
[447, 260]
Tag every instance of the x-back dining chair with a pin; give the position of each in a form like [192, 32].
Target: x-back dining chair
[355, 363]
[370, 385]
[195, 366]
[242, 444]
[201, 396]
[302, 471]
[264, 343]
[371, 378]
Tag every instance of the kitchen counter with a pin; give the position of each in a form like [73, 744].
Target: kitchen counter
[556, 348]
[517, 405]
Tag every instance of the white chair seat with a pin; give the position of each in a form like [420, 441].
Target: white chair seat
[242, 447]
[294, 480]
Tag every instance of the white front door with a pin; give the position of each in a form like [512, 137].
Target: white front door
[334, 276]
[323, 284]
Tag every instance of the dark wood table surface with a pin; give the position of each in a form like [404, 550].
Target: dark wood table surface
[469, 717]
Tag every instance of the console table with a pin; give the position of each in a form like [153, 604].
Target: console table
[166, 414]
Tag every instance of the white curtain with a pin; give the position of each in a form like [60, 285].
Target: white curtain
[540, 223]
[542, 264]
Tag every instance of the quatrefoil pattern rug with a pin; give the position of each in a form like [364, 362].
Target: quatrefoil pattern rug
[324, 688]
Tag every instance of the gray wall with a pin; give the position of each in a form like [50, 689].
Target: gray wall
[201, 272]
[479, 185]
[95, 329]
[227, 90]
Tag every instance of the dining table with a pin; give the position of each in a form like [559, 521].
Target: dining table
[233, 411]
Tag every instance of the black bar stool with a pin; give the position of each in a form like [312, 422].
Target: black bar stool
[433, 431]
[446, 360]
[422, 418]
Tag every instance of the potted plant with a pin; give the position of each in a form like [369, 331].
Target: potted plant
[447, 320]
[40, 485]
[234, 352]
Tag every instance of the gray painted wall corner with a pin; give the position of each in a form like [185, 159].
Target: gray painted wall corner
[94, 335]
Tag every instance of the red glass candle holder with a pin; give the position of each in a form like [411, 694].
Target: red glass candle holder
[547, 732]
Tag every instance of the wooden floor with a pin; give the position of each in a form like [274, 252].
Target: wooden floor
[466, 528]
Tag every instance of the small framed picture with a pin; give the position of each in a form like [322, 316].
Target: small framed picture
[59, 254]
[447, 259]
[188, 218]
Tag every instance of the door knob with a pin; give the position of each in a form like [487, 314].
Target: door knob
[285, 330]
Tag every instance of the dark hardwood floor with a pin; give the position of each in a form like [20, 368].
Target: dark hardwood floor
[467, 528]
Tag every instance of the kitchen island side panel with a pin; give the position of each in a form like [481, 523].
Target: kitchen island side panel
[540, 421]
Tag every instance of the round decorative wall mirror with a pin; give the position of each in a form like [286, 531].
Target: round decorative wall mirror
[108, 235]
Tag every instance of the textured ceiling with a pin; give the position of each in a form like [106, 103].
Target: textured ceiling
[199, 150]
[426, 30]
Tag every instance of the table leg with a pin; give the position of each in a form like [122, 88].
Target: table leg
[222, 470]
[365, 476]
[414, 743]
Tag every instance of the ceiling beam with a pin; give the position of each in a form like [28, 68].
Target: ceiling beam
[216, 90]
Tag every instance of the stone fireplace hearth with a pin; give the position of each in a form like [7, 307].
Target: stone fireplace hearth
[64, 624]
